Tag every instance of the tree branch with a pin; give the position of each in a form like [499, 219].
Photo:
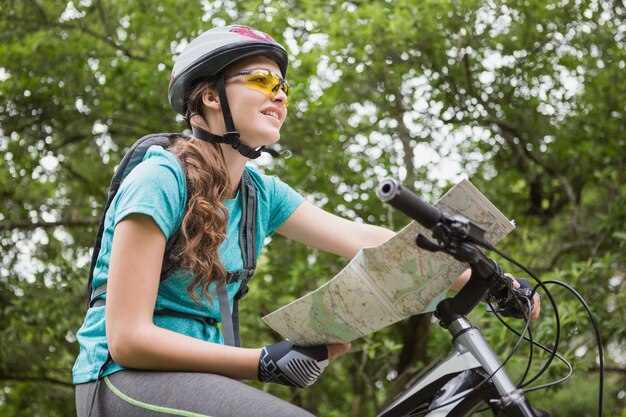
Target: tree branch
[101, 195]
[613, 369]
[81, 26]
[567, 247]
[403, 133]
[467, 72]
[47, 379]
[509, 133]
[103, 19]
[30, 225]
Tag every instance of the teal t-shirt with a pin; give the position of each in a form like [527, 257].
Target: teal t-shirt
[157, 188]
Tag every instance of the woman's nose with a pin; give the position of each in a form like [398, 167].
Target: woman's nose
[280, 97]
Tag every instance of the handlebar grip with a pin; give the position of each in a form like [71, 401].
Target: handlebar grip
[390, 191]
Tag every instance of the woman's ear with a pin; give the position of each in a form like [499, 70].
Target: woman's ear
[211, 100]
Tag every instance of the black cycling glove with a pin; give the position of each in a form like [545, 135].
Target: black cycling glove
[287, 364]
[512, 302]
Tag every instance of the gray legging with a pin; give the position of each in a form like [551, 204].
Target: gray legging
[158, 394]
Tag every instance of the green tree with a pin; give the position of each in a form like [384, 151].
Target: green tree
[522, 97]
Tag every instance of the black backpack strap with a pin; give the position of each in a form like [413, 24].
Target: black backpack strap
[132, 157]
[247, 233]
[97, 292]
[171, 258]
[106, 363]
[102, 289]
[228, 327]
[247, 244]
[167, 312]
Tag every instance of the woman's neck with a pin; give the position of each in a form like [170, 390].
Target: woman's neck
[235, 164]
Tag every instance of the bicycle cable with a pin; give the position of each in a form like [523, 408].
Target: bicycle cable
[521, 337]
[556, 354]
[557, 320]
[532, 344]
[544, 348]
[529, 339]
[531, 354]
[594, 324]
[596, 329]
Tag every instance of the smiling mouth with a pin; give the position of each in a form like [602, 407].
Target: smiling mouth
[271, 114]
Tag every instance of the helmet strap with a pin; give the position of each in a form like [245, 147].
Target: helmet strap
[228, 118]
[187, 117]
[231, 137]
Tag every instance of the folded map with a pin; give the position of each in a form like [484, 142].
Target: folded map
[385, 284]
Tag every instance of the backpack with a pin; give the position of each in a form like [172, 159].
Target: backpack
[247, 242]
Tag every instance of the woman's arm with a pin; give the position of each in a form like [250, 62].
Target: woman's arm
[322, 230]
[134, 341]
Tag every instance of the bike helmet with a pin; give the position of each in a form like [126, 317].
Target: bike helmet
[208, 56]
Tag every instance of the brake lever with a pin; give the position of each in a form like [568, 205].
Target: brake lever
[512, 302]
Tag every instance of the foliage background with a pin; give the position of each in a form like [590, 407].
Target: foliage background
[525, 98]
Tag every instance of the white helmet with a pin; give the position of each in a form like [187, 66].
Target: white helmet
[215, 50]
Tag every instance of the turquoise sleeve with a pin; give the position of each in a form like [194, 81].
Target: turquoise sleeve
[285, 200]
[153, 188]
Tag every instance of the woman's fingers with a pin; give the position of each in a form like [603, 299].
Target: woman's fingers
[336, 349]
[536, 306]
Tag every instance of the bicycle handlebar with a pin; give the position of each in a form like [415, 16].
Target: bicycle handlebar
[448, 228]
[390, 191]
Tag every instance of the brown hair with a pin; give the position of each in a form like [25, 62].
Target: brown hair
[203, 228]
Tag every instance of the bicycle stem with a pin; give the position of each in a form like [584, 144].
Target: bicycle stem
[451, 312]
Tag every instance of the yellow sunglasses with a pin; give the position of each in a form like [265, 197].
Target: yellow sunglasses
[264, 81]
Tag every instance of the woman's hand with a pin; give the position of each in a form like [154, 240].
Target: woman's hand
[464, 277]
[536, 298]
[336, 349]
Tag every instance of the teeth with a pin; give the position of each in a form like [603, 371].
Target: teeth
[271, 113]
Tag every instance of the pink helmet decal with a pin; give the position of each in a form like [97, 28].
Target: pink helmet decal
[252, 33]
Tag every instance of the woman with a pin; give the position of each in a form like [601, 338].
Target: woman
[151, 347]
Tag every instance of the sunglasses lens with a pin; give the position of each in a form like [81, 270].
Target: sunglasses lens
[268, 83]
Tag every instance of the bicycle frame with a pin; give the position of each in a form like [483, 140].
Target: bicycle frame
[457, 385]
[473, 375]
[449, 376]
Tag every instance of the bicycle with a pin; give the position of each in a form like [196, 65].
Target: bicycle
[472, 376]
